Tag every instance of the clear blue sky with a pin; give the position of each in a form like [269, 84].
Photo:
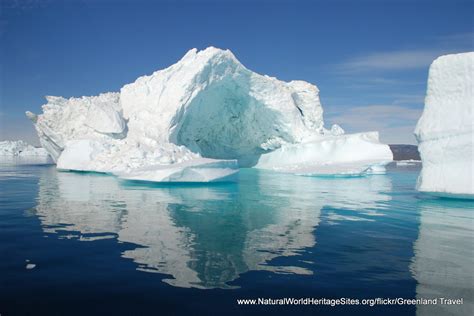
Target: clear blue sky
[370, 59]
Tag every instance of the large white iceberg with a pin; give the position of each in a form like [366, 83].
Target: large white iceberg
[198, 120]
[445, 130]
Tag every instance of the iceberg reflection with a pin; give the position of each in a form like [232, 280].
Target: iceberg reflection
[443, 262]
[202, 236]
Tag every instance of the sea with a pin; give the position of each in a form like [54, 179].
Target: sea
[76, 243]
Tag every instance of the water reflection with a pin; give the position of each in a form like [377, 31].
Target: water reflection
[205, 236]
[443, 263]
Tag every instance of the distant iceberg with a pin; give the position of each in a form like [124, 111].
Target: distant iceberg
[199, 120]
[19, 151]
[19, 148]
[445, 131]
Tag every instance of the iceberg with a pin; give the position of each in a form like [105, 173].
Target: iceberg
[19, 148]
[328, 155]
[21, 152]
[199, 120]
[445, 130]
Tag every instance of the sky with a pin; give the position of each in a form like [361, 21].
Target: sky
[370, 59]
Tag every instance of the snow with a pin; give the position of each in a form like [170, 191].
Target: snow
[164, 126]
[445, 130]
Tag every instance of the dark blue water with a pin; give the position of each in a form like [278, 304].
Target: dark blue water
[89, 244]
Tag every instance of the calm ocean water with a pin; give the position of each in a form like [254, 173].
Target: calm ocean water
[87, 244]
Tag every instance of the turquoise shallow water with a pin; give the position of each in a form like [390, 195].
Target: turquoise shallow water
[100, 245]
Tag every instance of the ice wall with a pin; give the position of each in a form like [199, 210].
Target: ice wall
[445, 130]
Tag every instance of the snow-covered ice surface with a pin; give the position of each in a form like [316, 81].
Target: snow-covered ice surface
[168, 125]
[445, 130]
[20, 152]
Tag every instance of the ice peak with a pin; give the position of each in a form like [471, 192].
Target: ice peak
[210, 54]
[190, 54]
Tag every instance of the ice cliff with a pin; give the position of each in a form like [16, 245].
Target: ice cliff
[445, 131]
[197, 120]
